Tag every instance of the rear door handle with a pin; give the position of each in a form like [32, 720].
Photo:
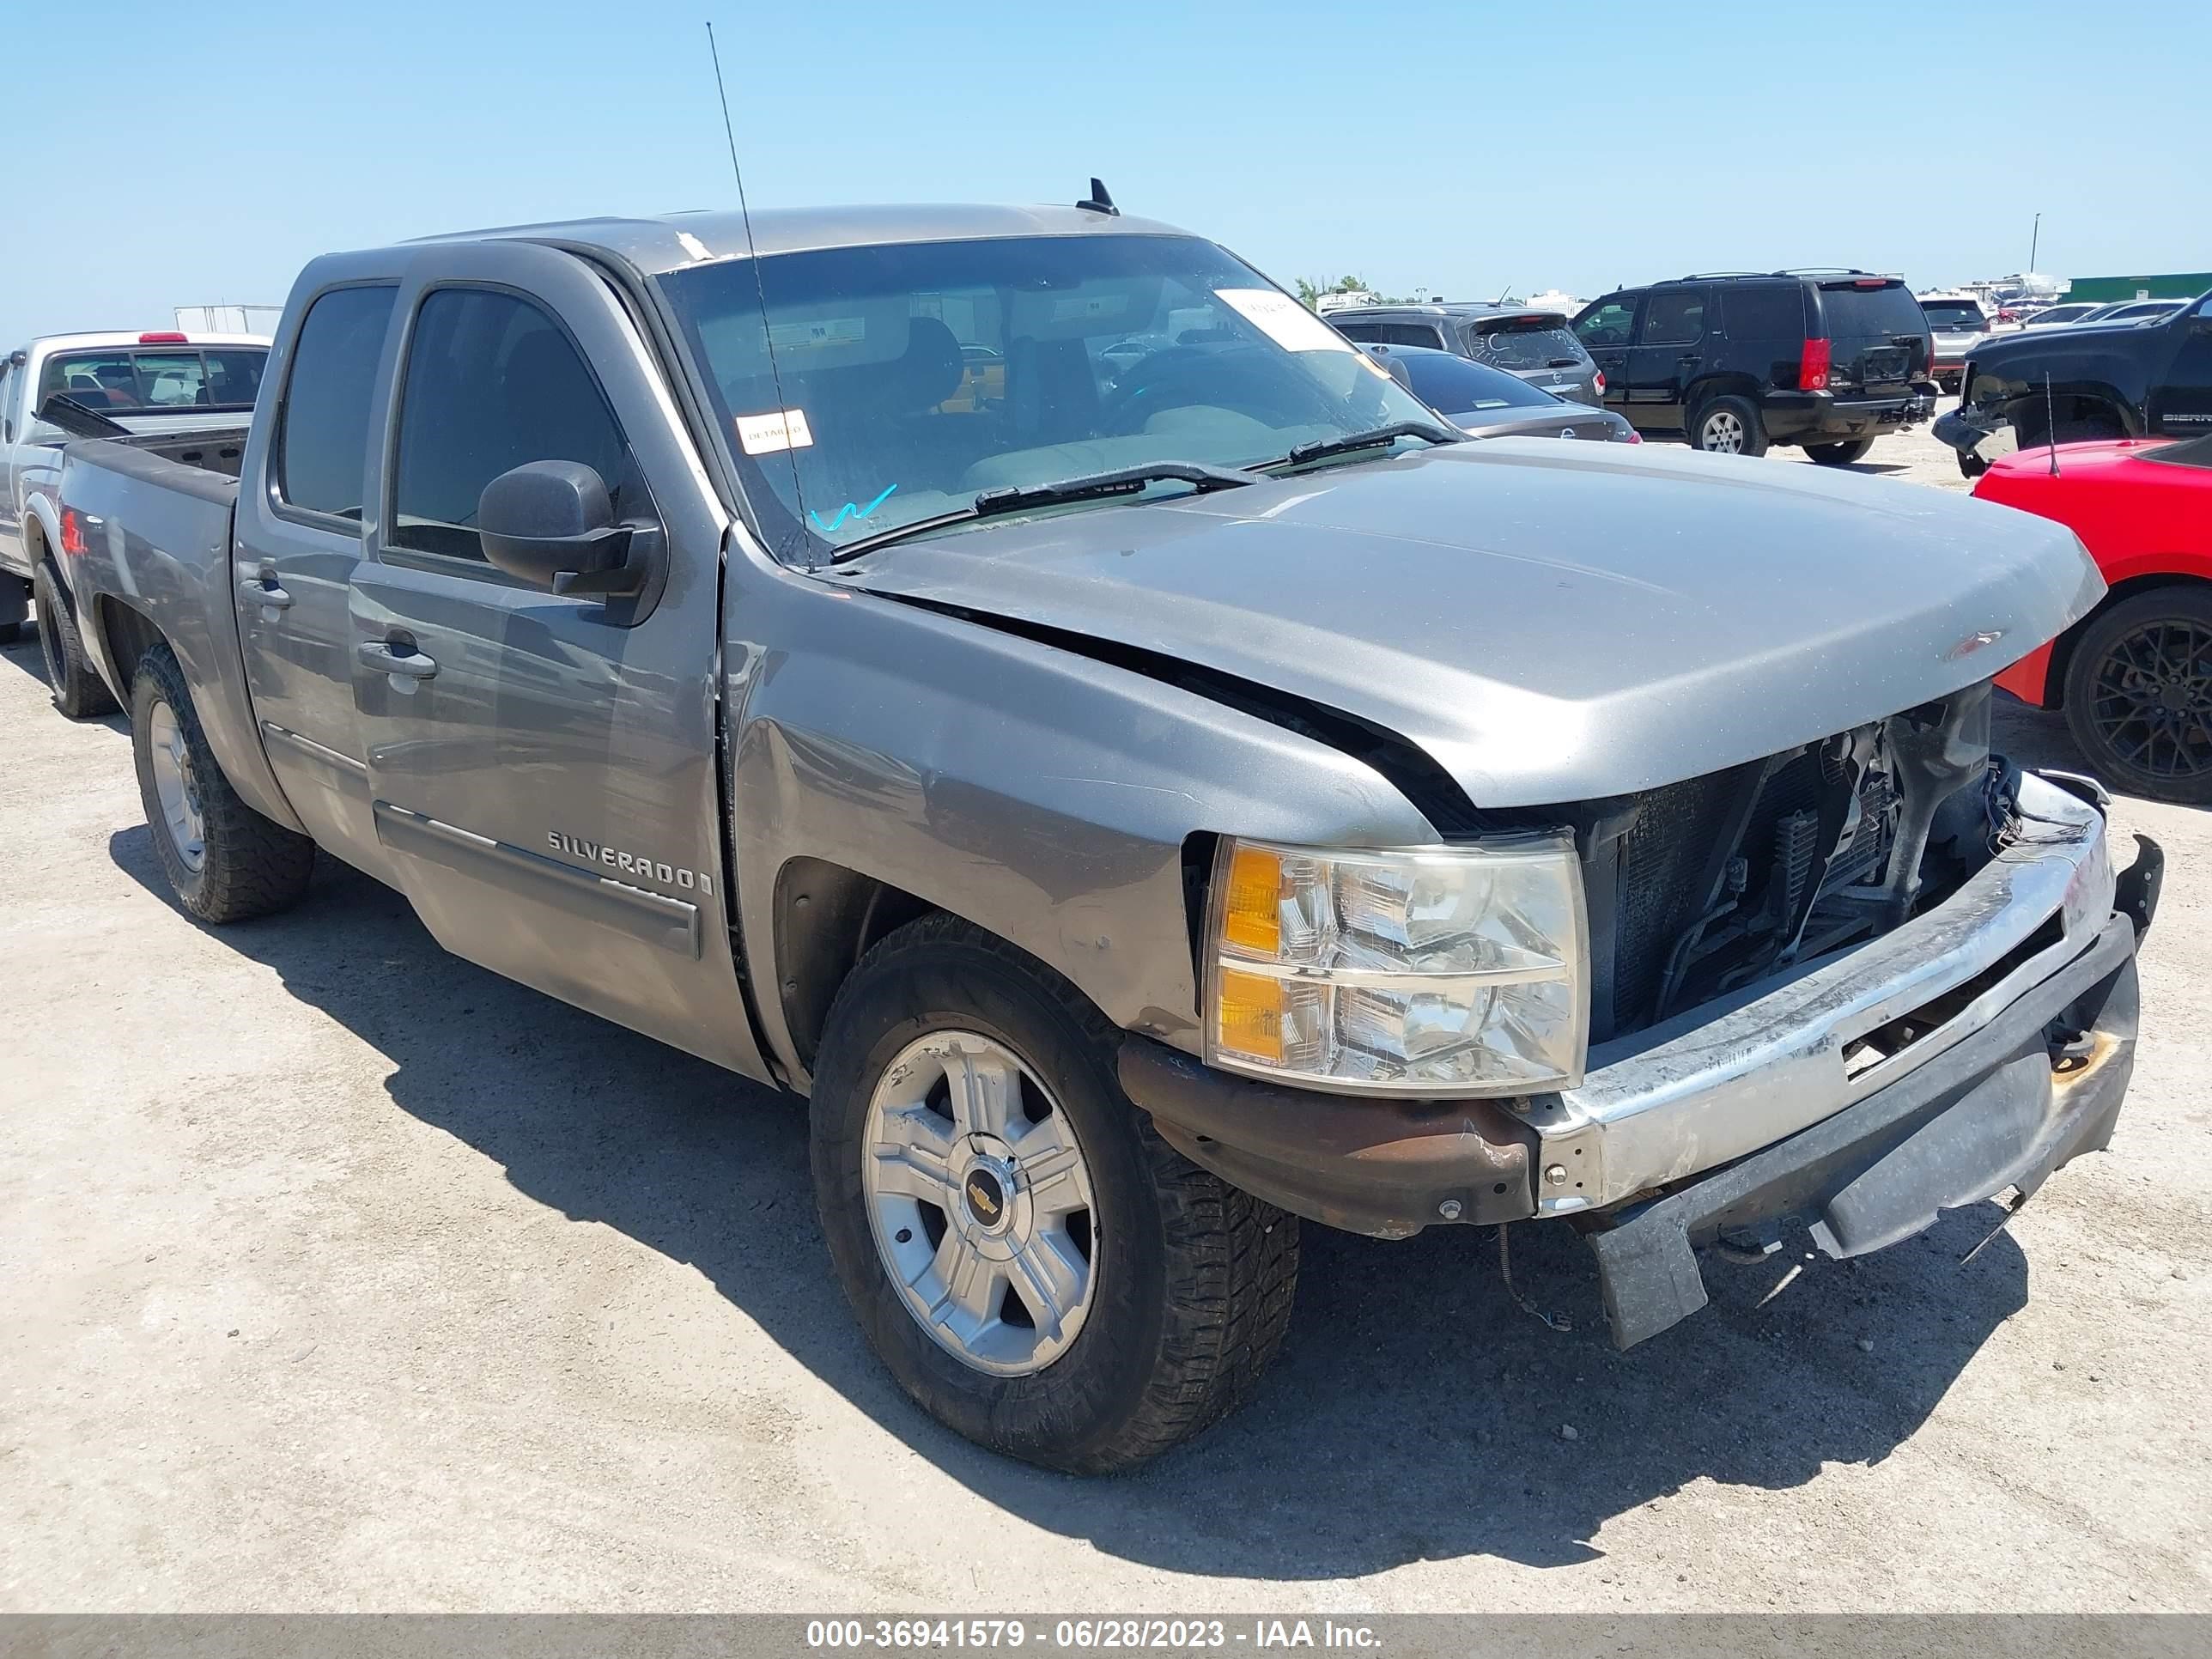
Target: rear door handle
[263, 591]
[410, 665]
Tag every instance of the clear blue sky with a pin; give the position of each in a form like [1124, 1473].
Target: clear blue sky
[175, 154]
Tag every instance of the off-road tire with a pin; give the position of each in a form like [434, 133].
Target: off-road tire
[1842, 455]
[250, 866]
[1195, 1279]
[2089, 714]
[79, 692]
[1746, 412]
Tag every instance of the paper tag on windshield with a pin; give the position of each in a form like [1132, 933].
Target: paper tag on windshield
[781, 428]
[1282, 320]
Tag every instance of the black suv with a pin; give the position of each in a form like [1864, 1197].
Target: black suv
[1737, 361]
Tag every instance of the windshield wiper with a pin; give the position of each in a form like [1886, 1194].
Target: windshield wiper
[1321, 448]
[1091, 486]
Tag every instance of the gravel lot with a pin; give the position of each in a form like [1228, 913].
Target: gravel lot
[341, 1275]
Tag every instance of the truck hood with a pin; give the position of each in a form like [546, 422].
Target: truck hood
[1551, 622]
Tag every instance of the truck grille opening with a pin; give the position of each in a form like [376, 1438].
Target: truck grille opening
[1722, 880]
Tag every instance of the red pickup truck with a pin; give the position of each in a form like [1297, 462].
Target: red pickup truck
[2135, 676]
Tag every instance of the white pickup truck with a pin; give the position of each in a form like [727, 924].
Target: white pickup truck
[149, 383]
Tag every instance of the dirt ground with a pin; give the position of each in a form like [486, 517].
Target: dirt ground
[341, 1275]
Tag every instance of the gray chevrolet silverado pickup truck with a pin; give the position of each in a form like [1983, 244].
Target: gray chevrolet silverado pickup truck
[1020, 681]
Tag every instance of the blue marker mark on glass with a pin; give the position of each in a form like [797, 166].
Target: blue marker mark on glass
[850, 510]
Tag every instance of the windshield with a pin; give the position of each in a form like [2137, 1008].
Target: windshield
[1459, 387]
[1955, 316]
[894, 383]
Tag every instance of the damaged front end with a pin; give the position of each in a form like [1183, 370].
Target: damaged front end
[1902, 981]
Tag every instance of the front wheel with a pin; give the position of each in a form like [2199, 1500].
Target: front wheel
[1038, 1269]
[224, 859]
[1729, 425]
[2138, 695]
[79, 692]
[1842, 455]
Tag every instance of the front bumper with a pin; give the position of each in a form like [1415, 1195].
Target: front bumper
[1827, 417]
[2040, 1083]
[1786, 1103]
[1980, 436]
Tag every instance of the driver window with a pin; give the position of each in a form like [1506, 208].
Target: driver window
[492, 384]
[1607, 323]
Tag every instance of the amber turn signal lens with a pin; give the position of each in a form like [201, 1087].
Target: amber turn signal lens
[1253, 919]
[1249, 1008]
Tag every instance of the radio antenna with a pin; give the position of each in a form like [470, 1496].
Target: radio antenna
[2050, 421]
[760, 288]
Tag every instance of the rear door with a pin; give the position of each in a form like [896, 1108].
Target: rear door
[543, 767]
[1668, 354]
[2181, 399]
[1878, 339]
[11, 505]
[1606, 328]
[296, 542]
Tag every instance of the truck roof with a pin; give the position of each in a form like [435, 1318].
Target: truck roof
[114, 337]
[670, 241]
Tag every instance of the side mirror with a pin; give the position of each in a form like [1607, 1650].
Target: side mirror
[551, 524]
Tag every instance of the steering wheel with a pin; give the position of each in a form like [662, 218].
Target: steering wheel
[1176, 376]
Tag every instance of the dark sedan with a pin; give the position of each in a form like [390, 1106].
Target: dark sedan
[1493, 403]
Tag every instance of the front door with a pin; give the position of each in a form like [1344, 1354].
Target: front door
[297, 540]
[1666, 355]
[2181, 403]
[1606, 328]
[543, 768]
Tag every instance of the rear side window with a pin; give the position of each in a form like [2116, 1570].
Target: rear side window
[1870, 313]
[1608, 322]
[1413, 334]
[322, 442]
[493, 384]
[1366, 333]
[1755, 314]
[1527, 342]
[1675, 317]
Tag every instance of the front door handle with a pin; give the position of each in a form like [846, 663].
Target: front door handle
[263, 591]
[412, 665]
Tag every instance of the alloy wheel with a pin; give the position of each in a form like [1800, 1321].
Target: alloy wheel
[2151, 701]
[176, 787]
[1722, 434]
[980, 1199]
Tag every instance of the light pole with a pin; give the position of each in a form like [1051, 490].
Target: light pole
[2034, 239]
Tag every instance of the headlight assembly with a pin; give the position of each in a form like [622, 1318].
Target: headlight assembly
[1444, 971]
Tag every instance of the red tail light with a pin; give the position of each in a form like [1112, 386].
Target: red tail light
[171, 338]
[1600, 383]
[1812, 368]
[1633, 438]
[72, 530]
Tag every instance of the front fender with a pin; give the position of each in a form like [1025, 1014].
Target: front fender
[1037, 793]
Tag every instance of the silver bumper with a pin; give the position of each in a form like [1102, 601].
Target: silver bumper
[1695, 1095]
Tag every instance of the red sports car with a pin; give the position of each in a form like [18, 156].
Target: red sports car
[2135, 676]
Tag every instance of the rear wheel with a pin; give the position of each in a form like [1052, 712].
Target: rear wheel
[79, 692]
[1039, 1270]
[1843, 454]
[225, 860]
[2139, 694]
[1729, 425]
